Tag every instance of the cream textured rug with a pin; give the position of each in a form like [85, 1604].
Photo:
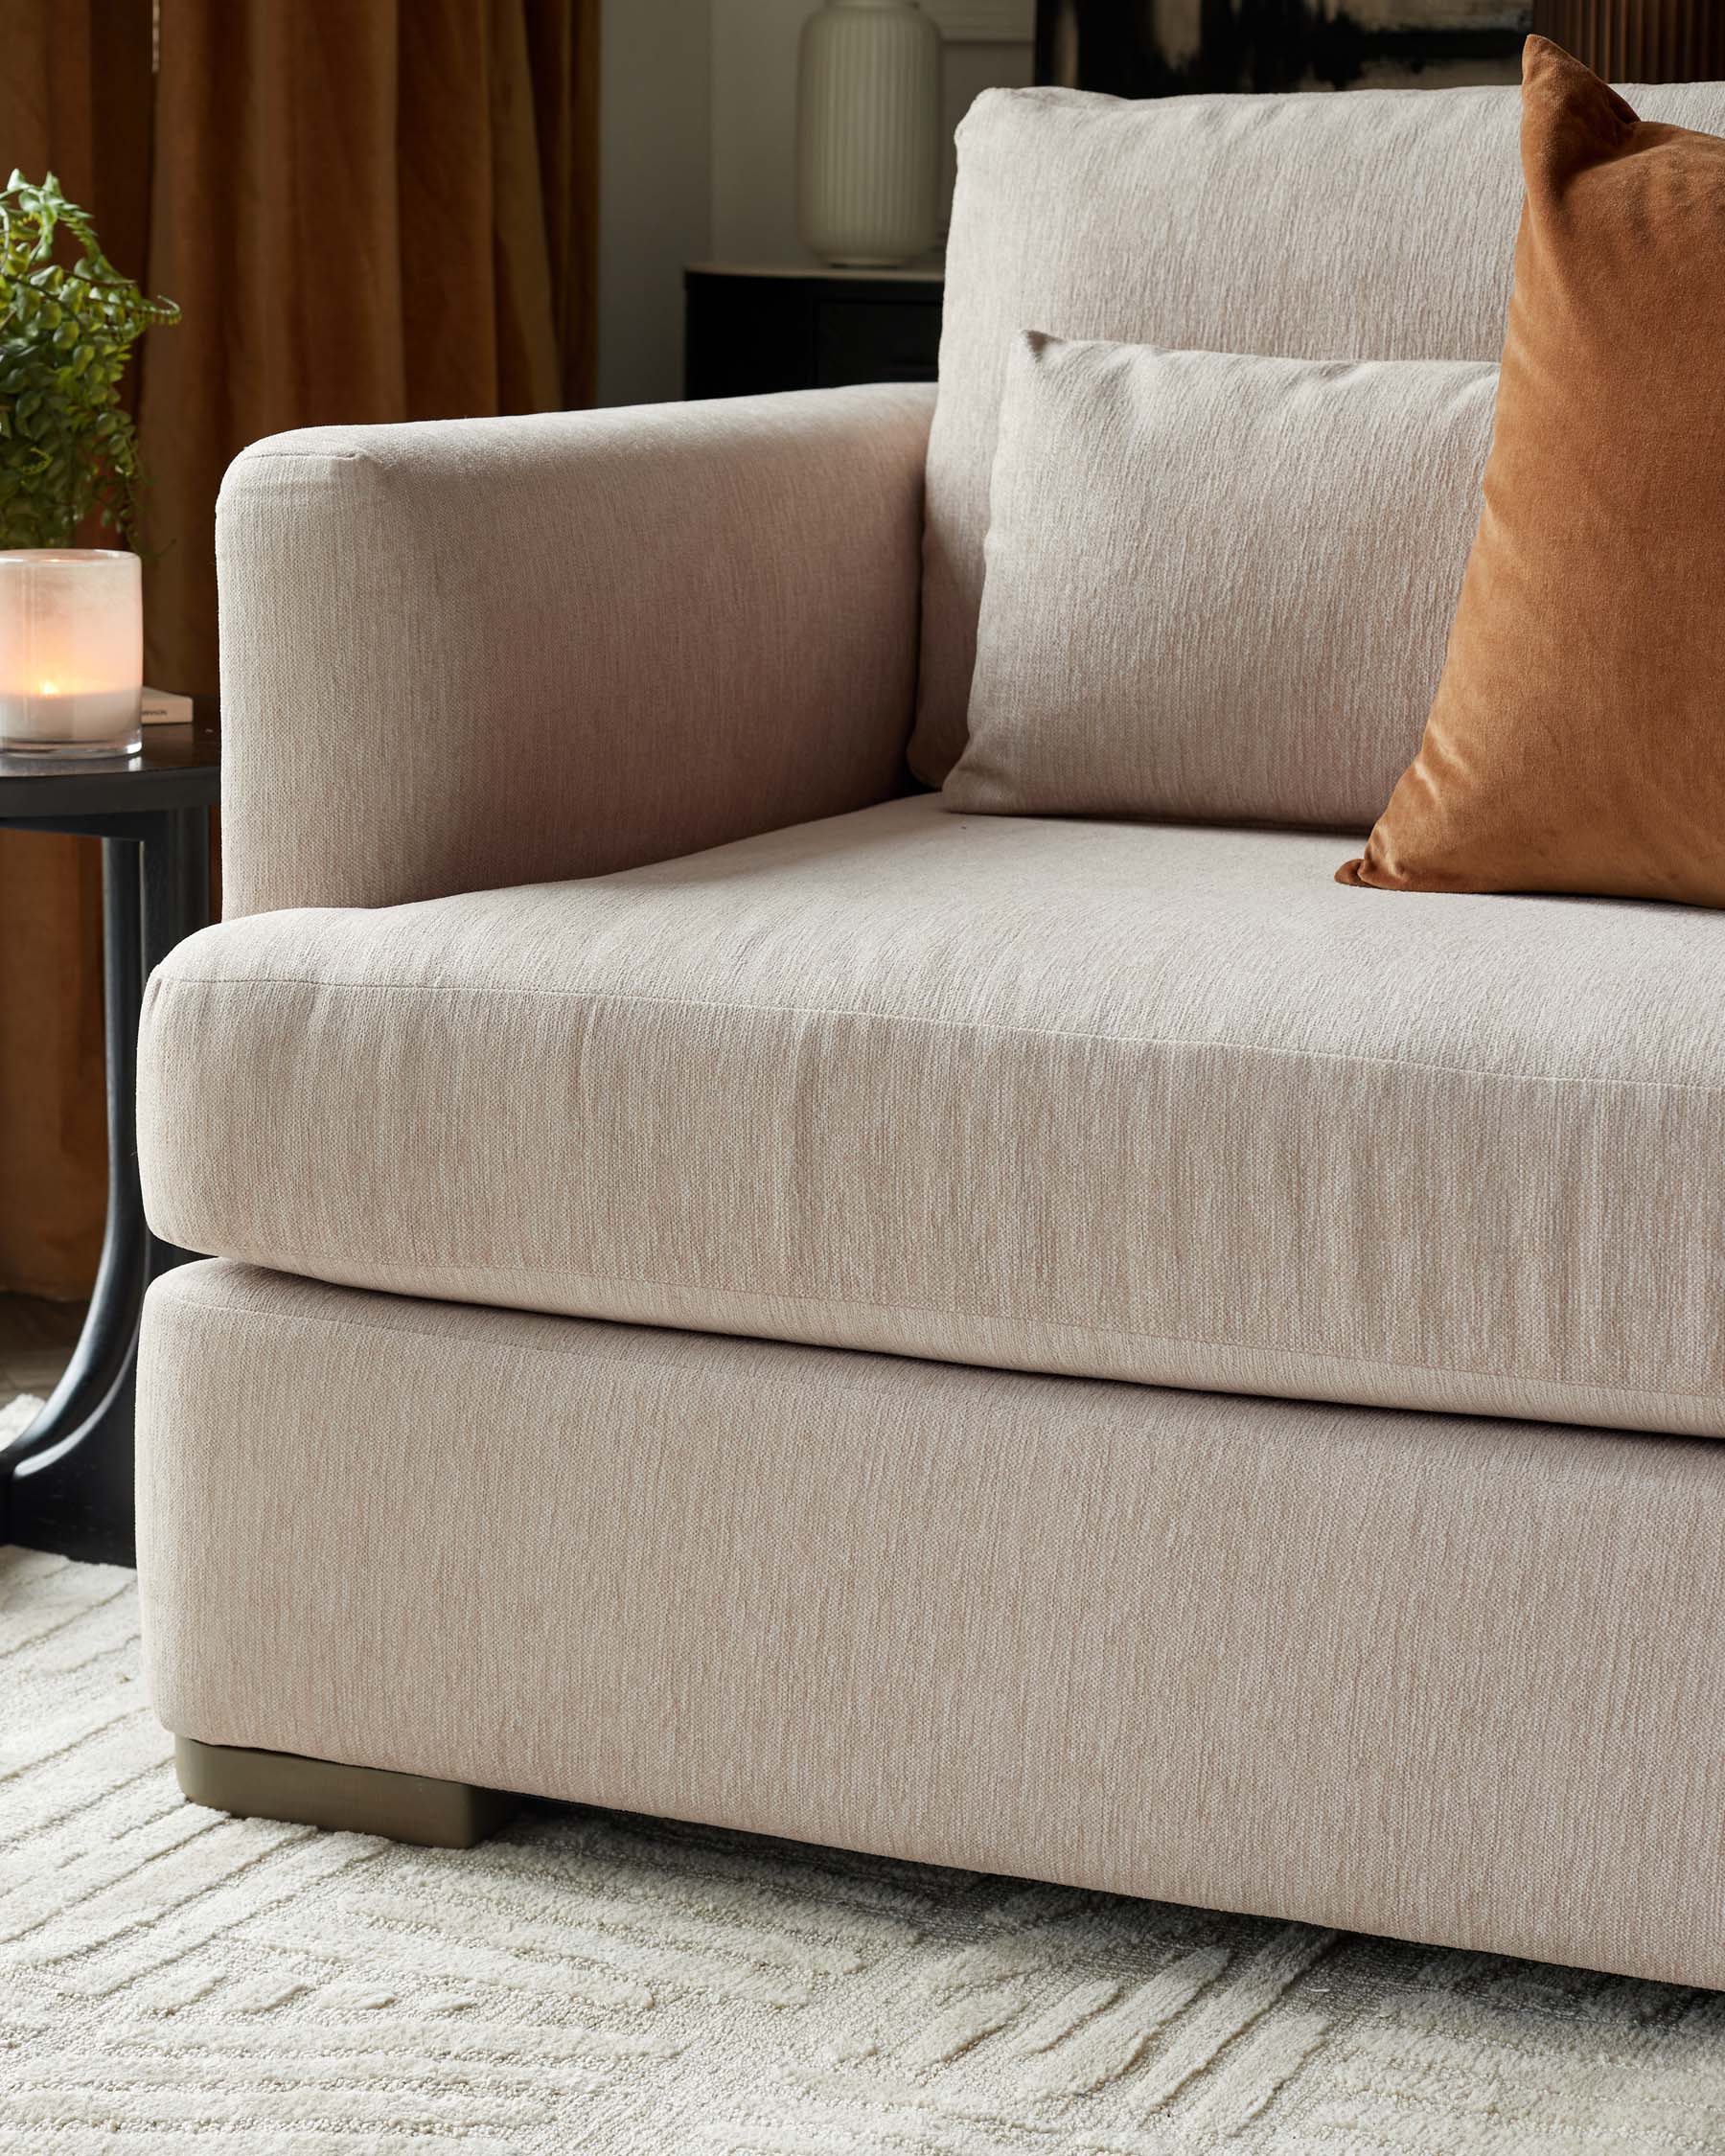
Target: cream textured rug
[16, 1415]
[170, 1979]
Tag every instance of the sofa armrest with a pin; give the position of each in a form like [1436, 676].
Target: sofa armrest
[487, 652]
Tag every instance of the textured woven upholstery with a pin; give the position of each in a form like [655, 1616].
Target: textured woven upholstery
[581, 961]
[1218, 586]
[1453, 1679]
[1378, 226]
[481, 651]
[1151, 1102]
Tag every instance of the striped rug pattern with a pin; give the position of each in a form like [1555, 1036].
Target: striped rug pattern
[174, 1980]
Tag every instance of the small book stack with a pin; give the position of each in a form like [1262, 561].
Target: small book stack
[163, 708]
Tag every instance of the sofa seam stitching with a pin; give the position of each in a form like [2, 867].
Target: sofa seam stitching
[979, 1317]
[675, 1367]
[955, 1025]
[244, 1313]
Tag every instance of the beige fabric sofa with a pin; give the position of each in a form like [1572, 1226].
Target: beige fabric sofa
[1076, 1348]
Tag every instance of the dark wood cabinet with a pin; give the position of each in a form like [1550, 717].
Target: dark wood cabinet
[752, 329]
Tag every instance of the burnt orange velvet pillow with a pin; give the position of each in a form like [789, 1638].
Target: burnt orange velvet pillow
[1578, 739]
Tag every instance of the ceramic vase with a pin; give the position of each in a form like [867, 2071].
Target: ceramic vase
[868, 132]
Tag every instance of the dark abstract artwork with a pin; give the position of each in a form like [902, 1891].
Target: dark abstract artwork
[1163, 48]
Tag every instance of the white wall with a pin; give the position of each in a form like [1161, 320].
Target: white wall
[655, 107]
[698, 160]
[754, 129]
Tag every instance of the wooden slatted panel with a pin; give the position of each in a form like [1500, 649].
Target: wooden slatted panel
[1640, 40]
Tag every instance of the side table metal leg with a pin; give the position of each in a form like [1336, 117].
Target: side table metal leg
[70, 1473]
[177, 904]
[67, 1482]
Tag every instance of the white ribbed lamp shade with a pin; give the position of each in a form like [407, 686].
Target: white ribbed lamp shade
[868, 132]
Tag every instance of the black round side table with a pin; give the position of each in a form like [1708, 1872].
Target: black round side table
[66, 1482]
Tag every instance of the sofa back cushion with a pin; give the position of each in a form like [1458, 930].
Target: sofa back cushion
[1375, 225]
[1219, 587]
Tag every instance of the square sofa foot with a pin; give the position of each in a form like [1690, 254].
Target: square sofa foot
[438, 1815]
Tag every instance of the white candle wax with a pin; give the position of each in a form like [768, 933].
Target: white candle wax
[47, 717]
[71, 652]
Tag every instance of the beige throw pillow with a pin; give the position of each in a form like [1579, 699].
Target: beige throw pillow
[1217, 588]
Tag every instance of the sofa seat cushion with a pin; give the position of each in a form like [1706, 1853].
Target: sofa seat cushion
[1136, 1101]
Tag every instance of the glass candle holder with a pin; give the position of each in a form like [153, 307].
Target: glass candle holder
[71, 652]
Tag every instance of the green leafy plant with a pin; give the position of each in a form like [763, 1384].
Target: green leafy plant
[67, 326]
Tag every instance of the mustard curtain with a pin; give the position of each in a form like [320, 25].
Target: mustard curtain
[368, 210]
[75, 99]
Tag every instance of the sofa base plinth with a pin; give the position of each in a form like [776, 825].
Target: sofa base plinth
[438, 1815]
[1436, 1677]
